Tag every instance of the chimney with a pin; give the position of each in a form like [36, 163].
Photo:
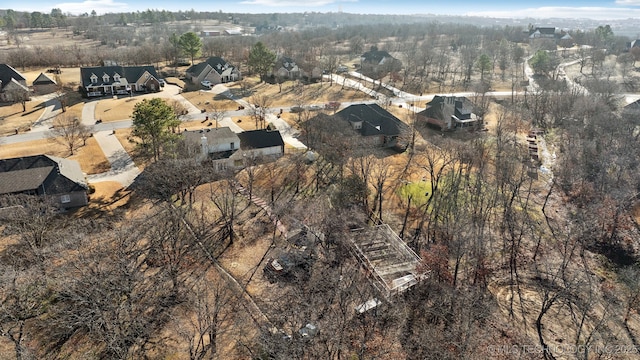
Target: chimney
[204, 145]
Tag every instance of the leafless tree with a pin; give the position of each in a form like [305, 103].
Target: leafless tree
[70, 132]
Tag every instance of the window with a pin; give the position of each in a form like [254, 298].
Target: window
[105, 78]
[233, 146]
[116, 78]
[94, 78]
[65, 199]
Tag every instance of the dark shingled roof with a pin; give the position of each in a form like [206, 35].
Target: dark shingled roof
[285, 62]
[129, 73]
[443, 107]
[7, 73]
[217, 63]
[376, 120]
[259, 139]
[375, 56]
[40, 174]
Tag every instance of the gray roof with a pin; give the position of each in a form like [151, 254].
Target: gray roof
[43, 79]
[375, 56]
[128, 74]
[40, 174]
[8, 73]
[376, 120]
[443, 107]
[214, 136]
[217, 63]
[285, 62]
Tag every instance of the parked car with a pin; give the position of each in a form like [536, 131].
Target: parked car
[162, 82]
[206, 83]
[314, 107]
[332, 105]
[297, 109]
[342, 69]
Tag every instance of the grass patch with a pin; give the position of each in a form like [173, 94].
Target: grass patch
[420, 192]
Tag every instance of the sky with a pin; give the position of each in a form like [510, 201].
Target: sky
[593, 9]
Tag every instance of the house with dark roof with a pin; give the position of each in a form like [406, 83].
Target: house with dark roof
[378, 61]
[114, 80]
[286, 68]
[43, 84]
[228, 150]
[377, 126]
[449, 113]
[262, 143]
[215, 69]
[59, 179]
[550, 33]
[633, 44]
[13, 86]
[632, 111]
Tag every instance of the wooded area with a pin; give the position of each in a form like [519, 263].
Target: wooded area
[520, 256]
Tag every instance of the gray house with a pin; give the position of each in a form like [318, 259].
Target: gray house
[43, 84]
[450, 113]
[228, 150]
[59, 179]
[114, 80]
[377, 126]
[13, 86]
[215, 69]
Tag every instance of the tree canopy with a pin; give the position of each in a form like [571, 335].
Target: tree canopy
[154, 122]
[261, 59]
[190, 44]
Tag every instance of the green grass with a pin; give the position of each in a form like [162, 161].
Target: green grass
[420, 192]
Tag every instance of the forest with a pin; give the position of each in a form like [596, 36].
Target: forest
[520, 257]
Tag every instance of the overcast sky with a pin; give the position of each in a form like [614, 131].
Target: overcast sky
[594, 9]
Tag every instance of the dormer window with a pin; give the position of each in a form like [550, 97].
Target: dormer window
[116, 78]
[105, 78]
[94, 78]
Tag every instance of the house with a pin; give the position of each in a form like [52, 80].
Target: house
[43, 84]
[378, 61]
[542, 33]
[262, 143]
[286, 68]
[450, 113]
[554, 34]
[114, 80]
[632, 111]
[229, 150]
[377, 126]
[633, 44]
[13, 86]
[218, 145]
[59, 179]
[207, 33]
[215, 69]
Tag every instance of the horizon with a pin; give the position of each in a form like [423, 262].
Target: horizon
[571, 9]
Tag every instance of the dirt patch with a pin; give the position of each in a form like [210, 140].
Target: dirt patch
[207, 100]
[12, 117]
[108, 196]
[90, 156]
[119, 108]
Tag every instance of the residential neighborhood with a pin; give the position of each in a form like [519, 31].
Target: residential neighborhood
[210, 184]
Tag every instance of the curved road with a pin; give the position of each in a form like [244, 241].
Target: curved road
[124, 171]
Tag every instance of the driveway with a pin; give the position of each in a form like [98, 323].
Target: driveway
[123, 169]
